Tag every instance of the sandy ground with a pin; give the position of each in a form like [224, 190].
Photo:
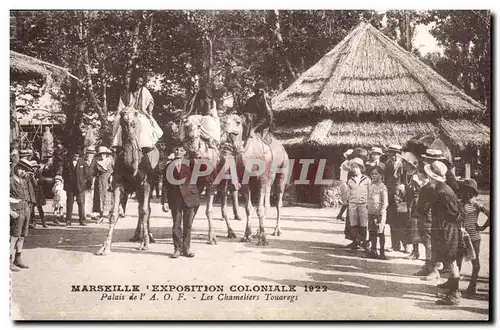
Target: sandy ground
[310, 253]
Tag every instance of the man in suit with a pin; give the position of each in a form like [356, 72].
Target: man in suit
[76, 175]
[183, 199]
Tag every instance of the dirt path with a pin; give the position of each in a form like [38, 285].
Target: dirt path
[310, 253]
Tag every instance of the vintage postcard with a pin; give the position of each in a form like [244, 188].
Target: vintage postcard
[250, 164]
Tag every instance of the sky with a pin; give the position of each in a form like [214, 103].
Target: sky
[424, 42]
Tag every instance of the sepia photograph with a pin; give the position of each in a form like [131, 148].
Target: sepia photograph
[328, 165]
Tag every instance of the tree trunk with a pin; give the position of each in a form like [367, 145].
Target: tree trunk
[273, 21]
[408, 31]
[133, 57]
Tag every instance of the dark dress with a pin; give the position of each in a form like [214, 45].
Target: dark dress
[446, 218]
[423, 212]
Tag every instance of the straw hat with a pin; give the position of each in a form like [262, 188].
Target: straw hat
[25, 165]
[359, 153]
[24, 153]
[394, 148]
[103, 150]
[358, 162]
[433, 154]
[58, 178]
[34, 164]
[410, 158]
[376, 150]
[437, 170]
[347, 153]
[90, 150]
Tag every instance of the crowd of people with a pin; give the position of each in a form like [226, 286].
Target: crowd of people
[418, 196]
[420, 199]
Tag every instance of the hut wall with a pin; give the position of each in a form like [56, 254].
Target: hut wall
[313, 193]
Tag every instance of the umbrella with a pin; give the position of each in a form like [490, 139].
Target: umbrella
[420, 143]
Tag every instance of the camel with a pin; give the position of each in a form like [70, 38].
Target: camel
[132, 172]
[253, 150]
[214, 158]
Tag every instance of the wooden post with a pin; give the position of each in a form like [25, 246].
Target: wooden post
[467, 170]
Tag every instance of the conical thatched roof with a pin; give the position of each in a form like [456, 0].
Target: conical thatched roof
[24, 64]
[370, 91]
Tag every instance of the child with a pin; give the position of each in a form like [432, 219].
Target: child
[59, 199]
[358, 187]
[377, 211]
[471, 207]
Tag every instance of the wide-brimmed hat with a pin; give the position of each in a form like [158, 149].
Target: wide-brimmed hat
[58, 178]
[359, 153]
[358, 162]
[376, 150]
[437, 170]
[103, 150]
[394, 148]
[410, 158]
[471, 185]
[34, 164]
[25, 165]
[433, 154]
[25, 153]
[90, 150]
[347, 153]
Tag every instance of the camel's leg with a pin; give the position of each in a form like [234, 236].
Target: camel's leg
[234, 194]
[248, 211]
[138, 229]
[230, 232]
[209, 213]
[143, 198]
[267, 198]
[143, 208]
[261, 213]
[113, 219]
[280, 191]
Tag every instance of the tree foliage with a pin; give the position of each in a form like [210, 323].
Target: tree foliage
[227, 50]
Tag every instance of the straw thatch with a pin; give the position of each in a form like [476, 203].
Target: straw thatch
[369, 91]
[466, 133]
[368, 74]
[292, 135]
[42, 116]
[21, 64]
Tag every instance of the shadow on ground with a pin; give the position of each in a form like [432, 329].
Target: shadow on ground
[355, 274]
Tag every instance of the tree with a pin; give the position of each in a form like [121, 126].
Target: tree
[465, 36]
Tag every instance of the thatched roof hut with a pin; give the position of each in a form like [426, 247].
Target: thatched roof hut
[370, 91]
[24, 65]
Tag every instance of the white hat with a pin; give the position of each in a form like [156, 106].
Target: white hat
[410, 158]
[394, 148]
[348, 153]
[103, 150]
[437, 170]
[433, 154]
[357, 161]
[376, 150]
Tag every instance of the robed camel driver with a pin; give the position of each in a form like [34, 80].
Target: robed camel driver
[262, 113]
[148, 132]
[203, 105]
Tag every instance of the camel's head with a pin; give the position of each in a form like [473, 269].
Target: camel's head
[192, 127]
[129, 119]
[234, 125]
